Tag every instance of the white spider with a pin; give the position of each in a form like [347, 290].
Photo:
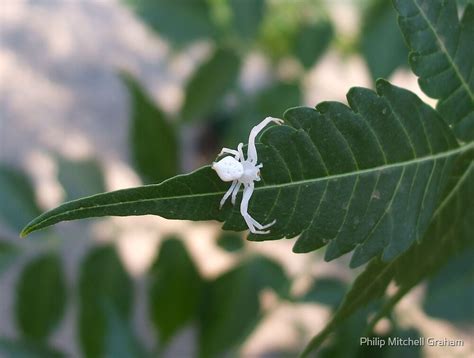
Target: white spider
[240, 171]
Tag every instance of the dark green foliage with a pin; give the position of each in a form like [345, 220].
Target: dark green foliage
[346, 339]
[326, 290]
[231, 307]
[344, 176]
[154, 142]
[247, 16]
[174, 290]
[24, 349]
[17, 198]
[230, 241]
[271, 101]
[448, 234]
[180, 21]
[210, 83]
[8, 253]
[274, 100]
[80, 177]
[120, 339]
[102, 282]
[442, 52]
[385, 177]
[312, 41]
[450, 294]
[381, 42]
[40, 297]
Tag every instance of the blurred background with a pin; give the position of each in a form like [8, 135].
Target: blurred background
[99, 95]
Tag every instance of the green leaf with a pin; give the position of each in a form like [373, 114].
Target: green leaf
[442, 55]
[326, 290]
[449, 233]
[174, 289]
[80, 177]
[153, 139]
[40, 297]
[8, 253]
[333, 175]
[283, 22]
[312, 41]
[381, 42]
[274, 100]
[210, 83]
[102, 280]
[230, 241]
[180, 21]
[450, 293]
[120, 339]
[247, 16]
[451, 226]
[346, 338]
[24, 349]
[17, 198]
[231, 307]
[347, 343]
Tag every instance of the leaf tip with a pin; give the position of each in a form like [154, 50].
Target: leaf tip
[24, 233]
[28, 229]
[357, 260]
[299, 247]
[323, 107]
[382, 84]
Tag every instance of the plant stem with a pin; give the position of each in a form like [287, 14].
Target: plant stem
[387, 308]
[318, 339]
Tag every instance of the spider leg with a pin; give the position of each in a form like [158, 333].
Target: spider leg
[235, 192]
[229, 151]
[227, 194]
[252, 150]
[239, 149]
[260, 226]
[248, 191]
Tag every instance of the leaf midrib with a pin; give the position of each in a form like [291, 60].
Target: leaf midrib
[268, 187]
[445, 51]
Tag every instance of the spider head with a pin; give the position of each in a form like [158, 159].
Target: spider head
[228, 169]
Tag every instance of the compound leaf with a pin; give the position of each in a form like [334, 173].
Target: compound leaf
[442, 55]
[40, 297]
[367, 178]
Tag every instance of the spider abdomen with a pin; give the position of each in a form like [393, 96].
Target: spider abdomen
[228, 169]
